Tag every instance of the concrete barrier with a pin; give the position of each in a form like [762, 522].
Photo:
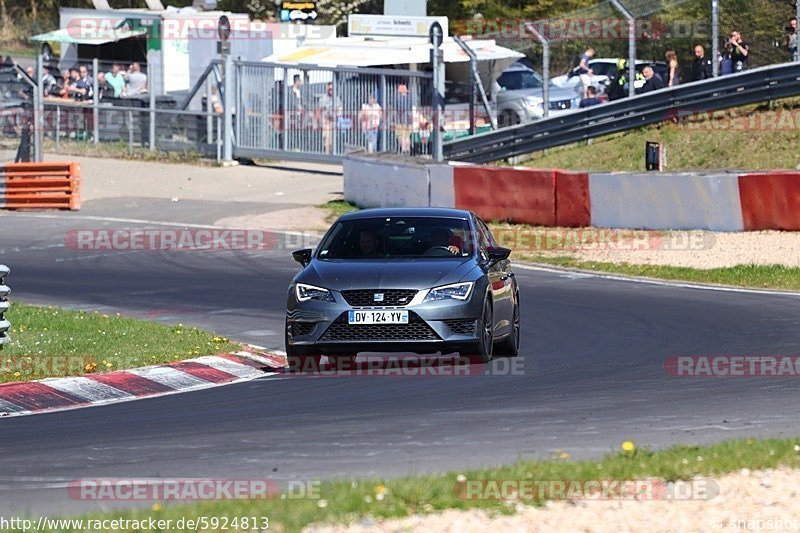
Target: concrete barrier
[665, 201]
[770, 200]
[573, 202]
[377, 182]
[443, 193]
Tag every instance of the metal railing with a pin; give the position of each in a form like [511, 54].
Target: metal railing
[316, 113]
[757, 85]
[4, 305]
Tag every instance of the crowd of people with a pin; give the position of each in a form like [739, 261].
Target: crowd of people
[76, 84]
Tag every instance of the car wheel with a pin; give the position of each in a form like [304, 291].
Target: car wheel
[504, 120]
[509, 347]
[482, 351]
[299, 362]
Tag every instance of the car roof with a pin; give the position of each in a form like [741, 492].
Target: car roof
[433, 212]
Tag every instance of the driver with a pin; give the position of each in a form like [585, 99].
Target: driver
[440, 237]
[368, 243]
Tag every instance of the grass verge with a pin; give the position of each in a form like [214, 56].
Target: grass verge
[337, 208]
[51, 342]
[702, 142]
[346, 500]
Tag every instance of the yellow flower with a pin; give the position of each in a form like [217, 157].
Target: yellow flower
[628, 446]
[564, 455]
[380, 489]
[156, 507]
[17, 374]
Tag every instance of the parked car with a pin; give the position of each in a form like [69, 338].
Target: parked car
[521, 97]
[603, 68]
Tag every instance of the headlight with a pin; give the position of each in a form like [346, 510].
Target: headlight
[310, 292]
[456, 291]
[533, 101]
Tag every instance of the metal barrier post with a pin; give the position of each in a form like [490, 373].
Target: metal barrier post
[4, 305]
[95, 102]
[152, 92]
[545, 66]
[285, 113]
[130, 132]
[209, 108]
[384, 132]
[631, 45]
[715, 37]
[436, 35]
[219, 139]
[38, 112]
[228, 90]
[58, 128]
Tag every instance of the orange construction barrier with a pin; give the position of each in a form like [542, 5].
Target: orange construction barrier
[40, 186]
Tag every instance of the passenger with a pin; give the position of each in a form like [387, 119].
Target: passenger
[369, 243]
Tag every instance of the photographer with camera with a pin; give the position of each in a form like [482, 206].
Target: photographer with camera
[737, 51]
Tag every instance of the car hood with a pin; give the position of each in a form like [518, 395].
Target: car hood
[554, 94]
[417, 274]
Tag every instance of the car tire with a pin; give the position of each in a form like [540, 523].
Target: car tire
[481, 351]
[508, 118]
[509, 347]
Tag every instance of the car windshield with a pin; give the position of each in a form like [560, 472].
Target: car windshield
[520, 79]
[397, 237]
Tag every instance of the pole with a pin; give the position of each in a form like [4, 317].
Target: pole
[631, 45]
[152, 95]
[95, 102]
[715, 37]
[38, 111]
[437, 60]
[797, 32]
[545, 66]
[227, 126]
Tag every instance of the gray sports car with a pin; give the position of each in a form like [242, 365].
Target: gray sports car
[421, 280]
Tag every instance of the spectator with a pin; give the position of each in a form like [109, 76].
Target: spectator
[674, 75]
[371, 117]
[405, 117]
[584, 71]
[81, 88]
[591, 99]
[327, 114]
[791, 39]
[653, 81]
[105, 88]
[701, 66]
[136, 81]
[116, 80]
[26, 91]
[737, 52]
[63, 84]
[49, 84]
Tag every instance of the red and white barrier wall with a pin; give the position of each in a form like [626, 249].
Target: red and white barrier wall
[717, 201]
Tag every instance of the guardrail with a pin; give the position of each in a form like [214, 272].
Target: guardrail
[757, 85]
[40, 186]
[4, 305]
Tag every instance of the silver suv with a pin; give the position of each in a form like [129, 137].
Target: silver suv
[520, 98]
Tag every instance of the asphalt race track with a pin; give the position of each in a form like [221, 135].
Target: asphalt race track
[592, 375]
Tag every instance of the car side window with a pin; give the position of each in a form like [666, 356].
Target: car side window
[484, 241]
[487, 233]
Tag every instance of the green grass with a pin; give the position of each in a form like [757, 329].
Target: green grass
[751, 276]
[700, 143]
[346, 500]
[121, 150]
[337, 208]
[50, 342]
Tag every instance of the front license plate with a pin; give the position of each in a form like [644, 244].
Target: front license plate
[377, 317]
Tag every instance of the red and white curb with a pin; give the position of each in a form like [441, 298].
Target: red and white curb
[56, 394]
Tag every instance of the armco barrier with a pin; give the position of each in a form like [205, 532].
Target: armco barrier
[509, 194]
[40, 186]
[665, 201]
[770, 200]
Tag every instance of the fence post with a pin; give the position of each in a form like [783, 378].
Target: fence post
[285, 107]
[38, 112]
[130, 132]
[4, 305]
[152, 95]
[384, 130]
[58, 128]
[436, 35]
[715, 37]
[95, 102]
[228, 89]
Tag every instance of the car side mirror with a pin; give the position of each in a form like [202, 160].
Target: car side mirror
[497, 254]
[302, 256]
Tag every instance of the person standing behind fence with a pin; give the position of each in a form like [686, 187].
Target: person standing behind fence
[371, 116]
[116, 80]
[791, 39]
[584, 71]
[136, 81]
[328, 112]
[404, 119]
[674, 69]
[702, 69]
[738, 51]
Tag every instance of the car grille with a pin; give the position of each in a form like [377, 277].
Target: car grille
[302, 328]
[560, 104]
[461, 326]
[416, 330]
[391, 297]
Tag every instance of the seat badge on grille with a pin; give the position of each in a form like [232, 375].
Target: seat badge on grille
[377, 297]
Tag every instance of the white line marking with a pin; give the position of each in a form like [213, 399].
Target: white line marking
[169, 377]
[665, 283]
[226, 365]
[86, 388]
